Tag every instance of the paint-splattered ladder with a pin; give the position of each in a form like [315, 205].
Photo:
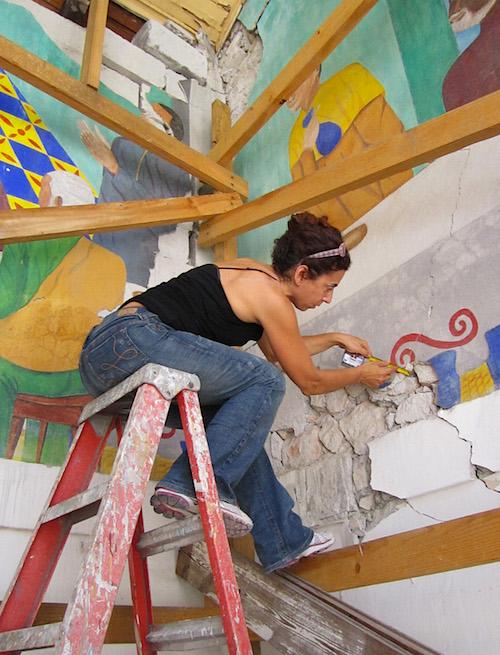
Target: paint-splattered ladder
[119, 529]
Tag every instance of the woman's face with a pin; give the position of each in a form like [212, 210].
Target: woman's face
[313, 292]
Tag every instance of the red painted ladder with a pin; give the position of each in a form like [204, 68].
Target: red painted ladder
[83, 628]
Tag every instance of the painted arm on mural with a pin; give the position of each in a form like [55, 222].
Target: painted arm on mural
[98, 147]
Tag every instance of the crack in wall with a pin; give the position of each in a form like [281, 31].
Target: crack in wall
[459, 191]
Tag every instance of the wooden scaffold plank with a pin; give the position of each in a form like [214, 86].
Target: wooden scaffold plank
[90, 72]
[52, 222]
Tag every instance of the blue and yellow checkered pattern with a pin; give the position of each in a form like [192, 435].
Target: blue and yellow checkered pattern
[28, 149]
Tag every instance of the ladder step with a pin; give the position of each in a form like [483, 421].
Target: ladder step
[172, 535]
[78, 508]
[188, 635]
[41, 636]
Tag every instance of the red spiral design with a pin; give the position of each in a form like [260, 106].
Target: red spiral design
[458, 327]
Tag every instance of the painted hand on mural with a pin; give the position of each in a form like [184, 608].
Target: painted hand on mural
[476, 72]
[98, 147]
[132, 173]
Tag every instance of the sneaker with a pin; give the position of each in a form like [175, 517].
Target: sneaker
[173, 504]
[320, 543]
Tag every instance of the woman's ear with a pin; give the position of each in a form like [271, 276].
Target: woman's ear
[301, 273]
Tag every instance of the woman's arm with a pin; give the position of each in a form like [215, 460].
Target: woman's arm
[318, 343]
[284, 343]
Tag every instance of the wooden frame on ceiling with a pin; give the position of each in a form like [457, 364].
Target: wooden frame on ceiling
[333, 31]
[63, 87]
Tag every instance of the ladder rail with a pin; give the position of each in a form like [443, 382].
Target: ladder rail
[83, 631]
[24, 595]
[233, 618]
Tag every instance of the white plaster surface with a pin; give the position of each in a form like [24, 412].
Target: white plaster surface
[457, 501]
[478, 421]
[454, 613]
[174, 52]
[418, 459]
[446, 196]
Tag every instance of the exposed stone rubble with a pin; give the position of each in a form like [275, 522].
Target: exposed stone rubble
[239, 60]
[324, 462]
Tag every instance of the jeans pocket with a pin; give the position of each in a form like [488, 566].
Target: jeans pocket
[110, 358]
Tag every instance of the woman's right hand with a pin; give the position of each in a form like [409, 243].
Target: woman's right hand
[374, 374]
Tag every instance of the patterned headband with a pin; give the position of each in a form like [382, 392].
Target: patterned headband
[341, 251]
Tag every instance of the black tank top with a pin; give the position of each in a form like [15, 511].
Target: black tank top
[196, 302]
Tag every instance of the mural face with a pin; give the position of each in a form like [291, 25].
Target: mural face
[476, 72]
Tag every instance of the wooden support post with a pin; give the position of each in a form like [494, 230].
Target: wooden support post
[90, 72]
[221, 124]
[439, 136]
[81, 97]
[339, 24]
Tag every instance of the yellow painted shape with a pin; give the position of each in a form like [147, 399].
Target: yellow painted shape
[6, 86]
[20, 203]
[161, 465]
[34, 116]
[47, 334]
[7, 153]
[35, 181]
[19, 130]
[338, 100]
[18, 453]
[475, 383]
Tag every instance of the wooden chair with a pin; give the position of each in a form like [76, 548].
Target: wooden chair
[65, 411]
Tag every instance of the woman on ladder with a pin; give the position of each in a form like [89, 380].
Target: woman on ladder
[190, 323]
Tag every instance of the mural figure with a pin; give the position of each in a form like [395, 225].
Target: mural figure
[337, 119]
[42, 326]
[132, 173]
[476, 72]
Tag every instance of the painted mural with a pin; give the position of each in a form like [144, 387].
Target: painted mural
[52, 292]
[339, 118]
[405, 63]
[43, 322]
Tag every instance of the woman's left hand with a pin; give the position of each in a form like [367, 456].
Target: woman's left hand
[353, 344]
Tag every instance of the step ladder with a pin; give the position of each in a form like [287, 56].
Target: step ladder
[118, 531]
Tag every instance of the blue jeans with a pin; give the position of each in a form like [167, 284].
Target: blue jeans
[247, 390]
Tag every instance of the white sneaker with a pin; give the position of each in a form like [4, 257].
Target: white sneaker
[320, 543]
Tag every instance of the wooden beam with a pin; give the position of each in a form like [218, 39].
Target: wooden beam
[90, 72]
[340, 23]
[65, 88]
[456, 129]
[294, 618]
[51, 222]
[221, 124]
[448, 546]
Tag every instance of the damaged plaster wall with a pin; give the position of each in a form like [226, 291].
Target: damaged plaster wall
[366, 464]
